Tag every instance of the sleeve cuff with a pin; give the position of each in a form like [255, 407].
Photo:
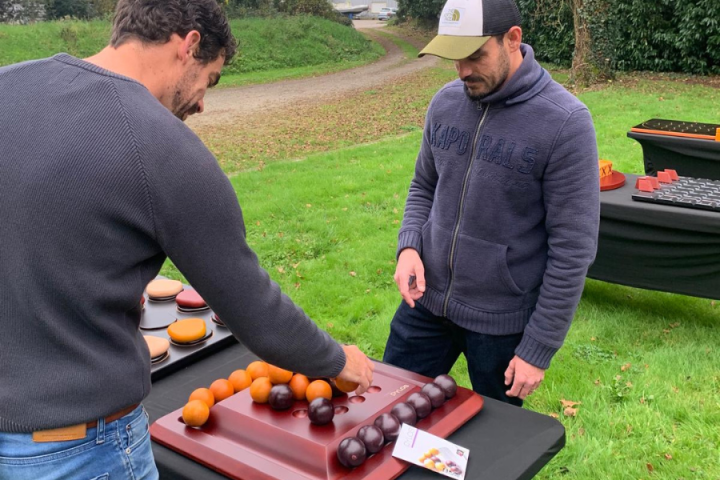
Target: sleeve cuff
[534, 352]
[338, 362]
[409, 239]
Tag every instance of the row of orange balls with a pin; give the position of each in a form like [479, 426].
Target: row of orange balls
[260, 377]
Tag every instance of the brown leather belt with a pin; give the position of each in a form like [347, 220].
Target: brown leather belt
[115, 416]
[76, 432]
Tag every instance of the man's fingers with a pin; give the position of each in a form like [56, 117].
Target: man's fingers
[525, 391]
[402, 283]
[364, 385]
[509, 373]
[516, 387]
[409, 300]
[420, 276]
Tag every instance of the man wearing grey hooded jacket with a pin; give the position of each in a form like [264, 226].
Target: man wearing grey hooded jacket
[502, 215]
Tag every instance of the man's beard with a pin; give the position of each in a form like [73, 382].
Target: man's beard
[494, 83]
[181, 106]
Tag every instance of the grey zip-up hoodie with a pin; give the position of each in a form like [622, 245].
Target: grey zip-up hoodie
[504, 209]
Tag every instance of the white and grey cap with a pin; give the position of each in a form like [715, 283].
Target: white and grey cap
[465, 26]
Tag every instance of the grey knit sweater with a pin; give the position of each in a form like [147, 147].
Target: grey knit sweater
[99, 183]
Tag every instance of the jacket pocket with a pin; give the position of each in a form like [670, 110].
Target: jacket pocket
[436, 245]
[482, 278]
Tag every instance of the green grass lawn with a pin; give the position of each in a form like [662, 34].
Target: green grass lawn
[269, 49]
[408, 50]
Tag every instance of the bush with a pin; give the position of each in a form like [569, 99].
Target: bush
[655, 35]
[420, 9]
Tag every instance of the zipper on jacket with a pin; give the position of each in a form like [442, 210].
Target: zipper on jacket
[456, 230]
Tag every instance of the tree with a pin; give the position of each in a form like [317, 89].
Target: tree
[592, 58]
[424, 10]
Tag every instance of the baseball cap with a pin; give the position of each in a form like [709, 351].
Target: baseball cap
[465, 26]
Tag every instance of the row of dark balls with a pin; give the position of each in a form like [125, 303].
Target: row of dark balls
[370, 439]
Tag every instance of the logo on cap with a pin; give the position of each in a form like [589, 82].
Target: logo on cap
[451, 17]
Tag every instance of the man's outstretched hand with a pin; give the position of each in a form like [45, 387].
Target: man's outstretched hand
[358, 368]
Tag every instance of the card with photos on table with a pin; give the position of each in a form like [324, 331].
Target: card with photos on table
[432, 452]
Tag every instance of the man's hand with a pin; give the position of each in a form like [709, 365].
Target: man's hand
[525, 378]
[410, 276]
[358, 368]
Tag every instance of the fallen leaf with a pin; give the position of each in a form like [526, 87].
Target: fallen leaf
[629, 384]
[581, 431]
[367, 291]
[281, 269]
[345, 209]
[395, 222]
[295, 265]
[330, 325]
[665, 330]
[597, 382]
[554, 415]
[675, 389]
[570, 412]
[569, 403]
[297, 286]
[592, 339]
[650, 467]
[281, 234]
[668, 456]
[353, 274]
[308, 205]
[628, 428]
[675, 325]
[379, 271]
[257, 223]
[642, 400]
[626, 366]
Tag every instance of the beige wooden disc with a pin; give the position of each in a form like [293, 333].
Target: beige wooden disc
[157, 345]
[162, 288]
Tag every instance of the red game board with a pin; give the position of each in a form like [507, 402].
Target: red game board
[249, 441]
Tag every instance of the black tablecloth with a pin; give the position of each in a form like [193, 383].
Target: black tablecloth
[505, 442]
[691, 157]
[657, 247]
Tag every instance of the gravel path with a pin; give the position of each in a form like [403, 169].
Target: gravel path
[229, 104]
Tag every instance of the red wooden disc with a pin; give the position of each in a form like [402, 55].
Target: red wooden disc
[613, 181]
[190, 299]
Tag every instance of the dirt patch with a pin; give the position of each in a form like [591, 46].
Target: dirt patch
[224, 106]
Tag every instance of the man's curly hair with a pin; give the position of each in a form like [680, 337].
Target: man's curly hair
[154, 21]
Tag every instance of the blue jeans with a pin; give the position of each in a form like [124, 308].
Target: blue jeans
[113, 451]
[429, 345]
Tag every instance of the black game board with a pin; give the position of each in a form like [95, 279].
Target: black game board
[161, 313]
[686, 192]
[657, 126]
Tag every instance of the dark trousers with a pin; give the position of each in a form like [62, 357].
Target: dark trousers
[429, 345]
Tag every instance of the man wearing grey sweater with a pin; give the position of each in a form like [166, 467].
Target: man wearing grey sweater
[100, 182]
[502, 216]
